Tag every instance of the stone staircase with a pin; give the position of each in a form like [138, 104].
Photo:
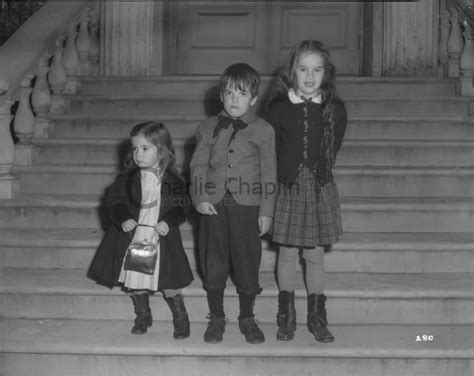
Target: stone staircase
[400, 283]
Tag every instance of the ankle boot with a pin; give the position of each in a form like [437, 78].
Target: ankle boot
[322, 308]
[317, 318]
[215, 329]
[142, 309]
[286, 317]
[180, 317]
[247, 323]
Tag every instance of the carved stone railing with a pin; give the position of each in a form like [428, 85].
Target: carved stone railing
[14, 13]
[38, 65]
[456, 50]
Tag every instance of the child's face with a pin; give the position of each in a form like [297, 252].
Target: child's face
[237, 102]
[145, 154]
[309, 74]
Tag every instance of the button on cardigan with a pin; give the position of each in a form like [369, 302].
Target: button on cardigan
[299, 132]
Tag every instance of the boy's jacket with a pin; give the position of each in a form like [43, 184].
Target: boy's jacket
[246, 167]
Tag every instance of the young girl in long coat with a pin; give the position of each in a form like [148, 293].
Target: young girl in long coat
[147, 201]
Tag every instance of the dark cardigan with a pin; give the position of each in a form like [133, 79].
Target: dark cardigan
[123, 199]
[287, 120]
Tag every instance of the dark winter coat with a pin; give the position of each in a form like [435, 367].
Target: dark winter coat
[122, 200]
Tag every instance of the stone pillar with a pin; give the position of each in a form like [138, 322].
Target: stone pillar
[126, 38]
[373, 39]
[8, 183]
[410, 38]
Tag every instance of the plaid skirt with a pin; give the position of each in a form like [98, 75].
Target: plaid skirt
[307, 215]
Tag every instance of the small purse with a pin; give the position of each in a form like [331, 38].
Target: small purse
[141, 256]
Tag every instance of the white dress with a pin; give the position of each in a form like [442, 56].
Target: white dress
[149, 213]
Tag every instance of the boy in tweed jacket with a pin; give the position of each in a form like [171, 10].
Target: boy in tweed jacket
[233, 187]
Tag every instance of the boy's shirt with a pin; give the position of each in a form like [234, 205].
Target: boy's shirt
[246, 167]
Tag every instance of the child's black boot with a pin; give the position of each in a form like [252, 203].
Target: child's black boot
[142, 309]
[317, 318]
[217, 320]
[180, 317]
[286, 317]
[247, 324]
[215, 329]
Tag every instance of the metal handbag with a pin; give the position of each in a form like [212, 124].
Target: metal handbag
[141, 256]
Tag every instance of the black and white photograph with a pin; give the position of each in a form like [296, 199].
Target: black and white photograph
[237, 188]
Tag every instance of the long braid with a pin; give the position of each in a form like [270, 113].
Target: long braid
[328, 152]
[329, 101]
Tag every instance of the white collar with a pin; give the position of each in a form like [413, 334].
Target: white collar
[154, 171]
[295, 99]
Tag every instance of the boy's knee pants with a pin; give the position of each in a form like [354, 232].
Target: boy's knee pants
[229, 241]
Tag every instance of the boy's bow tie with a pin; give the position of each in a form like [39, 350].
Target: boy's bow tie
[224, 123]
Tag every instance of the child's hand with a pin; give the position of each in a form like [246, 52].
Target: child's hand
[206, 208]
[129, 225]
[162, 228]
[264, 224]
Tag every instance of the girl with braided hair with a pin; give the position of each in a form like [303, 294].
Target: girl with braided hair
[309, 122]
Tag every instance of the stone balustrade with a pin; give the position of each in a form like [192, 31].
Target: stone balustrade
[37, 76]
[61, 42]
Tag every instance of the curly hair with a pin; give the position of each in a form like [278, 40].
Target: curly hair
[157, 134]
[286, 80]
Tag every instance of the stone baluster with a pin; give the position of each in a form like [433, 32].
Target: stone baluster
[466, 63]
[70, 56]
[443, 42]
[71, 60]
[8, 183]
[41, 95]
[83, 43]
[24, 124]
[94, 50]
[41, 98]
[455, 45]
[57, 79]
[57, 75]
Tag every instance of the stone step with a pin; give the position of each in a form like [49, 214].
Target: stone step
[364, 128]
[96, 347]
[395, 214]
[198, 106]
[352, 153]
[364, 181]
[355, 252]
[405, 181]
[412, 87]
[353, 298]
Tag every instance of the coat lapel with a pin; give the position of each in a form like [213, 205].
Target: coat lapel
[133, 191]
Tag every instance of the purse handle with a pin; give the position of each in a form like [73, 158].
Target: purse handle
[144, 225]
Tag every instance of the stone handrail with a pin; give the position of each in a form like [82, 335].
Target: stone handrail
[69, 31]
[20, 54]
[14, 13]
